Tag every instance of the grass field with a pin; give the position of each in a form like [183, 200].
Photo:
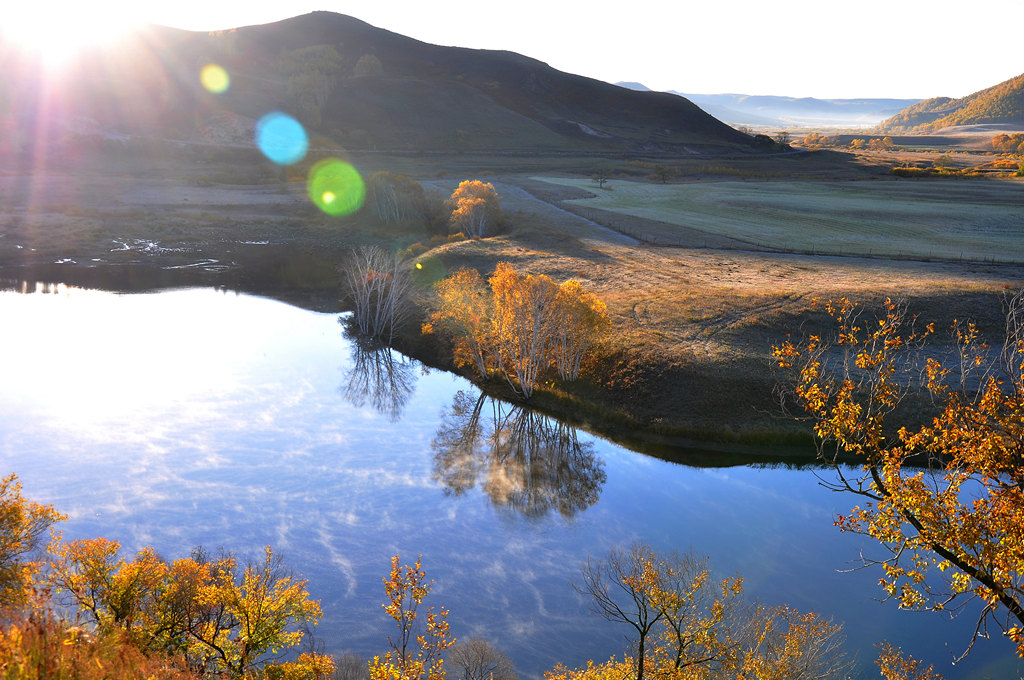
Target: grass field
[925, 220]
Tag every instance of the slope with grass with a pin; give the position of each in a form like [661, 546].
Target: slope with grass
[378, 91]
[1002, 103]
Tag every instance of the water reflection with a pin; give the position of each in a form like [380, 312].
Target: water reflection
[379, 377]
[523, 461]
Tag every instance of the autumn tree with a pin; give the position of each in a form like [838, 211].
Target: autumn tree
[622, 588]
[523, 322]
[23, 528]
[687, 625]
[464, 311]
[475, 208]
[893, 664]
[378, 284]
[416, 652]
[790, 645]
[520, 326]
[579, 322]
[221, 617]
[943, 494]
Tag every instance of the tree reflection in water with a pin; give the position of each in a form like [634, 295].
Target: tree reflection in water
[380, 377]
[524, 461]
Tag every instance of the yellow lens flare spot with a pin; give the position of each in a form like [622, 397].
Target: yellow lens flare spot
[336, 187]
[214, 78]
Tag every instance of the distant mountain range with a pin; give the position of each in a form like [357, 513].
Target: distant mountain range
[349, 84]
[785, 112]
[999, 104]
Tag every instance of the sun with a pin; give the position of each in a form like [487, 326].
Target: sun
[58, 32]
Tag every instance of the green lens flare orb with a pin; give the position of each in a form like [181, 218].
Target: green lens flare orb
[215, 79]
[336, 187]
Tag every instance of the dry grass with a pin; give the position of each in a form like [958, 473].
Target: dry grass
[693, 327]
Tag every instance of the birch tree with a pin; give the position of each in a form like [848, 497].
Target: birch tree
[378, 284]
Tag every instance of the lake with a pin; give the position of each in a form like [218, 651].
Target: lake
[207, 417]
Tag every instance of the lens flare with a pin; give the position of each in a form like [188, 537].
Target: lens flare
[281, 138]
[215, 79]
[428, 270]
[336, 187]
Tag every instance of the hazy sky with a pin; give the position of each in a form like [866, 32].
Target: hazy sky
[818, 48]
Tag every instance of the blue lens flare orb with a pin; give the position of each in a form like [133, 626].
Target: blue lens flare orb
[336, 187]
[281, 138]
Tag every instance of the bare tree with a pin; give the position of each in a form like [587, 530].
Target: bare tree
[350, 666]
[379, 286]
[477, 659]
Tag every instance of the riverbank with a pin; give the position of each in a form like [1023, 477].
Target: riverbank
[685, 366]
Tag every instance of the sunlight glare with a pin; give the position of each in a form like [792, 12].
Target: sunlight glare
[58, 33]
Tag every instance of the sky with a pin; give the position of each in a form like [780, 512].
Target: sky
[799, 48]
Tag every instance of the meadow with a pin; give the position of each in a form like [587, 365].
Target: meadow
[974, 221]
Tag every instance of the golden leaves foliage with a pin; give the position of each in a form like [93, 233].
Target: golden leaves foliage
[23, 524]
[475, 207]
[223, 618]
[522, 327]
[690, 627]
[944, 493]
[415, 652]
[894, 665]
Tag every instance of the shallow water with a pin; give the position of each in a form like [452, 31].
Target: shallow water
[203, 417]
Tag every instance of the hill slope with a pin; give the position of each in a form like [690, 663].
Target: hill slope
[1002, 103]
[354, 85]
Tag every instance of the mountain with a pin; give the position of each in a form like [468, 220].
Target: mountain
[1002, 103]
[784, 112]
[350, 84]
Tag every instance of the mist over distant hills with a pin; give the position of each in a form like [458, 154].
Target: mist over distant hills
[999, 104]
[349, 84]
[786, 112]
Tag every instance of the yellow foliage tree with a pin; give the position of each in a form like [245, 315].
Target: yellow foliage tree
[23, 525]
[464, 315]
[475, 207]
[415, 653]
[521, 326]
[223, 620]
[945, 497]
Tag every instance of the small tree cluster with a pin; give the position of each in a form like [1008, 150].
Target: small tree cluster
[1004, 143]
[395, 198]
[873, 144]
[378, 286]
[520, 326]
[222, 618]
[475, 208]
[312, 74]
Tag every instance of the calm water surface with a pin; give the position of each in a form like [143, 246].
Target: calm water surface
[200, 417]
